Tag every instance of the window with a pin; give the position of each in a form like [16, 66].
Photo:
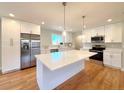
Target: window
[56, 39]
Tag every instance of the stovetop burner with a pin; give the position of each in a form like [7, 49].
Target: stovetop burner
[99, 50]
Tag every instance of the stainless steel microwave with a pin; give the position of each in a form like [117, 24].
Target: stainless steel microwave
[97, 39]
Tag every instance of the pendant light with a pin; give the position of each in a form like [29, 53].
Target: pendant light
[84, 26]
[64, 4]
[64, 32]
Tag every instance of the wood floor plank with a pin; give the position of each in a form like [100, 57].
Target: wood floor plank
[94, 76]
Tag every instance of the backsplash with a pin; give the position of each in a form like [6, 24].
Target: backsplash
[107, 45]
[113, 45]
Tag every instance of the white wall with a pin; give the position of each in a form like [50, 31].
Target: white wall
[46, 39]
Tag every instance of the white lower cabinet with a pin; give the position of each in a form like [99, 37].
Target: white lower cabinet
[112, 58]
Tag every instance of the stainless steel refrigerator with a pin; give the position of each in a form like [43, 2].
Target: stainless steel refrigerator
[30, 46]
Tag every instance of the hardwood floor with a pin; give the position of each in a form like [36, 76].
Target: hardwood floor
[95, 76]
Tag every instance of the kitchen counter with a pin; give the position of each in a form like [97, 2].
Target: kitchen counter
[48, 50]
[55, 68]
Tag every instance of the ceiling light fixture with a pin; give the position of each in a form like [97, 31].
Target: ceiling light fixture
[64, 32]
[42, 23]
[109, 20]
[64, 4]
[11, 15]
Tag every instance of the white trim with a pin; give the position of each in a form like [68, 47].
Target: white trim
[0, 70]
[122, 69]
[5, 72]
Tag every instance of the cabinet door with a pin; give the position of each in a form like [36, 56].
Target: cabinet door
[108, 33]
[93, 32]
[87, 36]
[117, 32]
[10, 45]
[26, 27]
[107, 58]
[99, 31]
[35, 29]
[68, 37]
[116, 60]
[113, 33]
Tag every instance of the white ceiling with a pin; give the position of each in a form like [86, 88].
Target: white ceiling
[52, 13]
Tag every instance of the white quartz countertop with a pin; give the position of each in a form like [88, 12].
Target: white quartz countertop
[113, 50]
[58, 60]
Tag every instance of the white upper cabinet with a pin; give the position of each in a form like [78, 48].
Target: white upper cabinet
[93, 32]
[87, 36]
[69, 37]
[35, 29]
[117, 32]
[26, 27]
[30, 28]
[108, 33]
[113, 32]
[98, 31]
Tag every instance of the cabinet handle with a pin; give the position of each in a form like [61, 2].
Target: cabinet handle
[11, 42]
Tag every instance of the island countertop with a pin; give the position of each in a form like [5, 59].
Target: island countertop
[58, 60]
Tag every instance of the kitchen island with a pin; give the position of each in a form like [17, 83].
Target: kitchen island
[55, 68]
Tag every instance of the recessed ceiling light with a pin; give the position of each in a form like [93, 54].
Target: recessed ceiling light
[109, 20]
[42, 23]
[11, 15]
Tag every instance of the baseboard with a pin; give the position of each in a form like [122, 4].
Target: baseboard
[6, 72]
[122, 69]
[0, 70]
[112, 67]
